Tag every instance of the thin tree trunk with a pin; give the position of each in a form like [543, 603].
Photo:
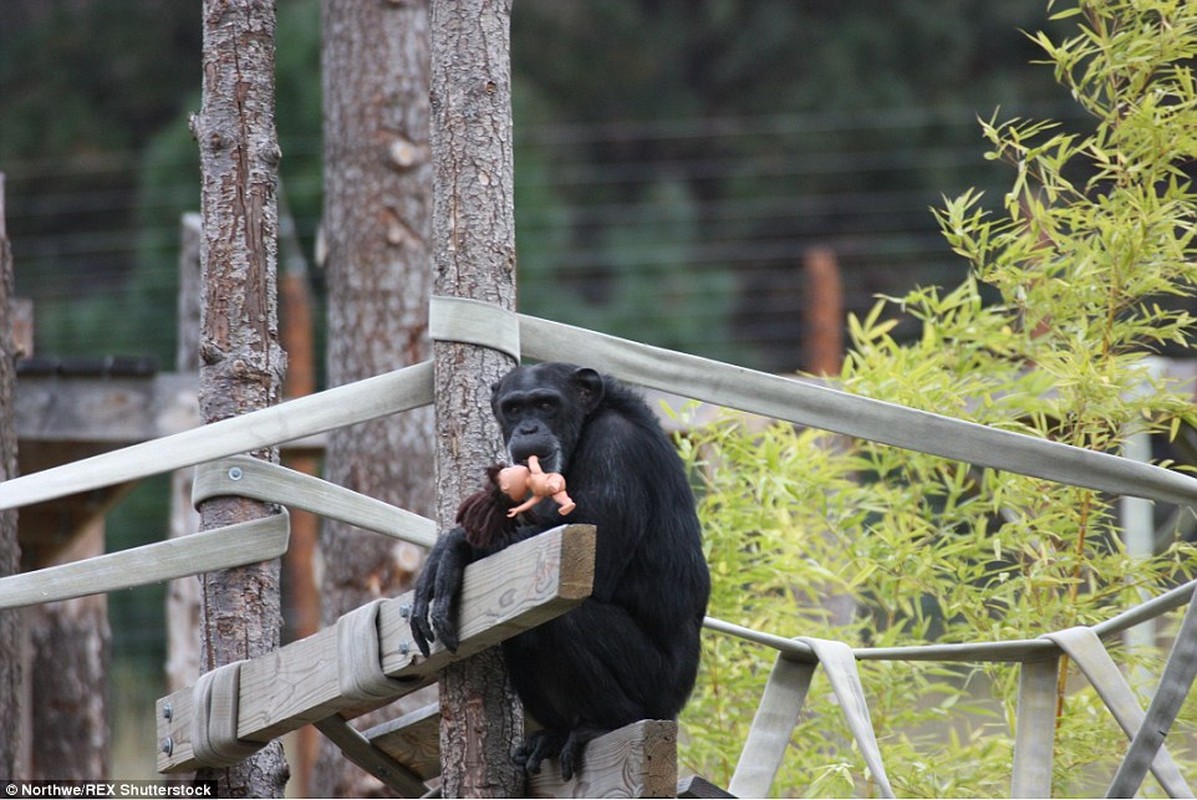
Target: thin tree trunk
[377, 206]
[11, 647]
[183, 595]
[69, 675]
[474, 249]
[242, 363]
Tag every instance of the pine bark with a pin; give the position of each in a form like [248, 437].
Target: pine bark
[377, 225]
[242, 363]
[474, 252]
[11, 687]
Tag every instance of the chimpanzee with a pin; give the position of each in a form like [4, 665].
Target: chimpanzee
[631, 650]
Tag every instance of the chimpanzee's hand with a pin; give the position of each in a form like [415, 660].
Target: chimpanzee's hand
[434, 611]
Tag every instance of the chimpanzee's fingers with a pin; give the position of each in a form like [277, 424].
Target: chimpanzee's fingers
[421, 632]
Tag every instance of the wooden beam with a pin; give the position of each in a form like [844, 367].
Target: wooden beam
[413, 740]
[509, 592]
[114, 410]
[638, 760]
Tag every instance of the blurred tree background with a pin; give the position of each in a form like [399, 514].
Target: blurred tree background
[675, 162]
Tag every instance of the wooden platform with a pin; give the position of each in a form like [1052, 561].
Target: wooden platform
[311, 679]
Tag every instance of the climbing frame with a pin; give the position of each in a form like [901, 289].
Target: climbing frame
[367, 658]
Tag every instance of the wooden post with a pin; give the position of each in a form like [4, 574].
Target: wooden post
[824, 338]
[474, 252]
[377, 226]
[302, 596]
[11, 644]
[241, 361]
[183, 595]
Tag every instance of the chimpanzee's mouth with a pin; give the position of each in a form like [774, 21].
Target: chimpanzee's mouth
[549, 462]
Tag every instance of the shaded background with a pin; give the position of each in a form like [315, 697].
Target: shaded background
[676, 162]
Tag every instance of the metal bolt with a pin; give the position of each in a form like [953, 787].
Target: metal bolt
[404, 648]
[405, 610]
[168, 711]
[235, 473]
[168, 746]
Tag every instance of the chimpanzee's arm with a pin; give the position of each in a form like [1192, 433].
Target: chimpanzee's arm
[434, 612]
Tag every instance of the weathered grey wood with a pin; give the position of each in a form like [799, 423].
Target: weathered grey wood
[358, 749]
[115, 410]
[1035, 729]
[234, 545]
[638, 760]
[286, 422]
[250, 477]
[504, 594]
[412, 739]
[772, 727]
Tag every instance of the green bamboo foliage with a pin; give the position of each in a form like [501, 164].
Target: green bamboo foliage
[1088, 267]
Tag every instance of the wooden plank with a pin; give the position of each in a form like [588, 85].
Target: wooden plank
[358, 749]
[113, 410]
[504, 594]
[413, 740]
[496, 604]
[638, 760]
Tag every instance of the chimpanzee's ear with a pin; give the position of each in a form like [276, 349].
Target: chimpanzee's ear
[589, 386]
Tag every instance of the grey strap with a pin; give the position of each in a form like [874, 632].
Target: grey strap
[389, 393]
[244, 476]
[1148, 741]
[840, 664]
[359, 658]
[459, 319]
[1082, 646]
[1035, 729]
[231, 546]
[215, 700]
[769, 736]
[807, 403]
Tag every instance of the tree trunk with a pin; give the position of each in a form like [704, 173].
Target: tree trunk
[474, 250]
[69, 674]
[11, 647]
[378, 186]
[183, 594]
[241, 361]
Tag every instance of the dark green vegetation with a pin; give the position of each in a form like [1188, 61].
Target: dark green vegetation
[674, 159]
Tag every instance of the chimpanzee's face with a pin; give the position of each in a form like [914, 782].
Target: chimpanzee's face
[541, 411]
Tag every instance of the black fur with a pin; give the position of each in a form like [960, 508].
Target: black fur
[630, 651]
